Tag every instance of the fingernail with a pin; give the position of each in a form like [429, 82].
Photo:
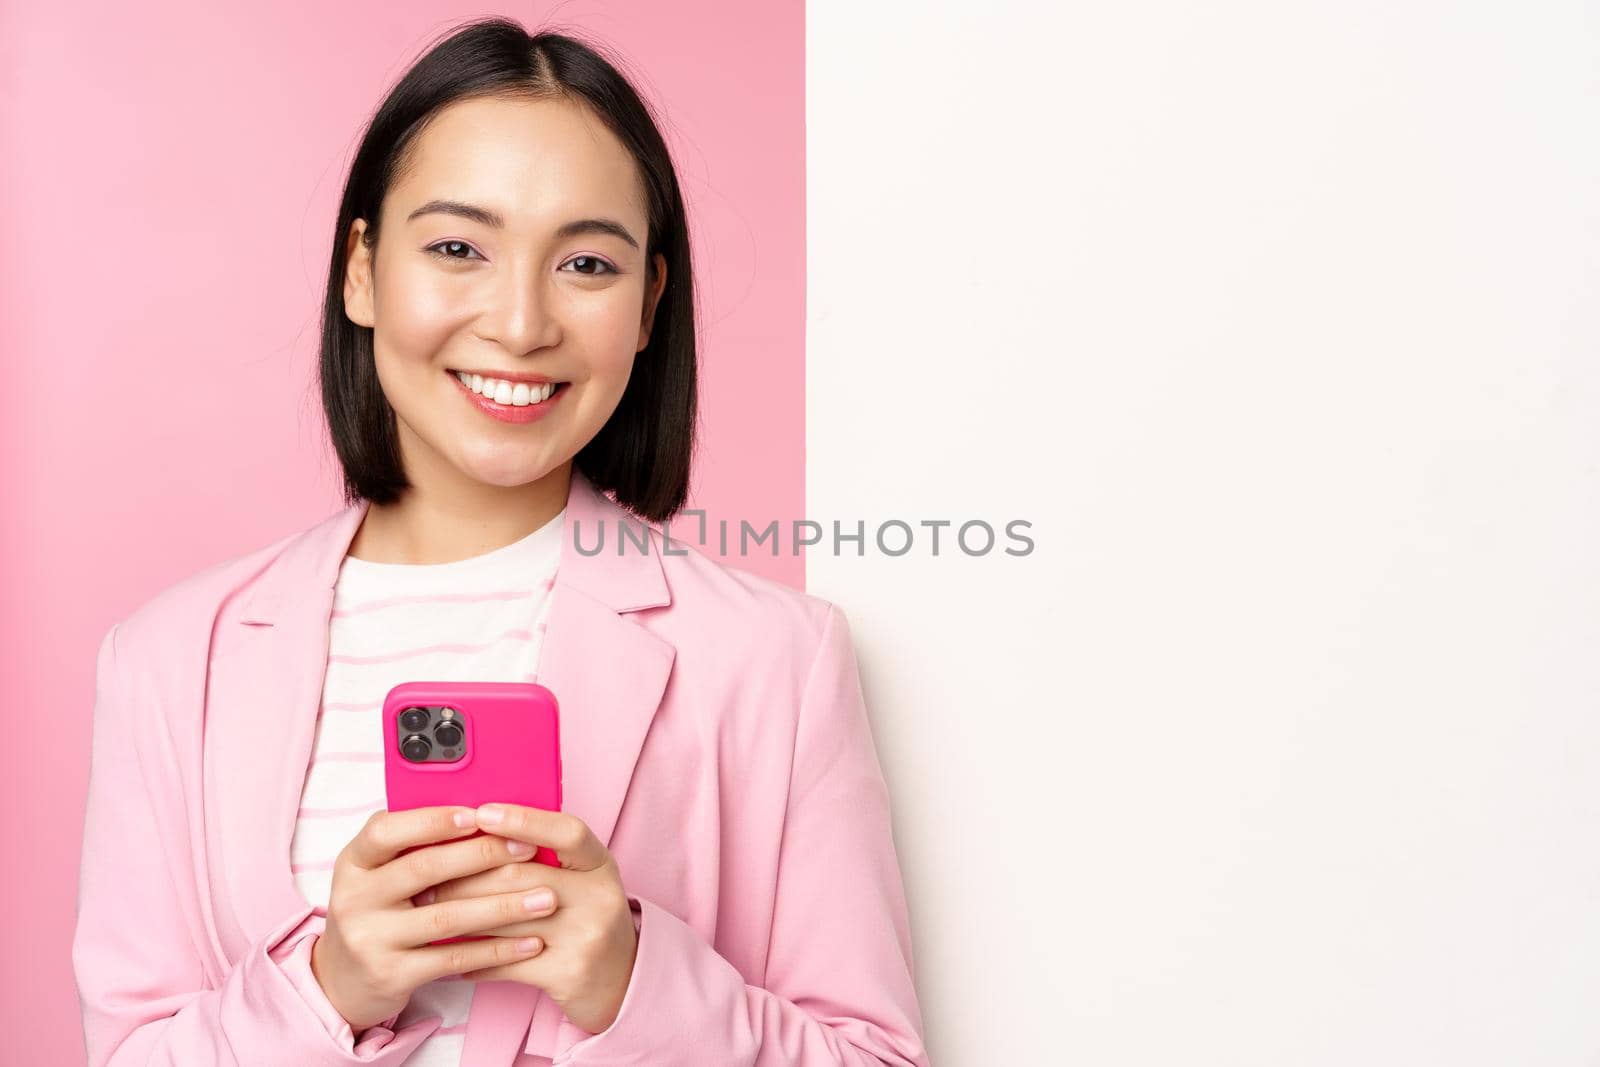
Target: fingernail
[466, 818]
[489, 815]
[519, 848]
[538, 900]
[528, 944]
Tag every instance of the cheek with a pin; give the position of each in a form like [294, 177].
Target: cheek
[612, 339]
[608, 327]
[607, 379]
[414, 316]
[614, 362]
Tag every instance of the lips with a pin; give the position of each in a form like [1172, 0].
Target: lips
[509, 412]
[506, 376]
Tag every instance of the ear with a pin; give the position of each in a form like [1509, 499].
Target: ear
[658, 282]
[358, 276]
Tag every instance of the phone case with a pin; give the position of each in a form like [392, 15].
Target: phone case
[513, 749]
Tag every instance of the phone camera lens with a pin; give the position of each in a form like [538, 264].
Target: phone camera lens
[415, 748]
[448, 734]
[414, 719]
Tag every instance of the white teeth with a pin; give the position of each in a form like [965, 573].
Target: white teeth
[516, 394]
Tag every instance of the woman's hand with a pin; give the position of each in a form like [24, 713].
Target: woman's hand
[375, 948]
[590, 942]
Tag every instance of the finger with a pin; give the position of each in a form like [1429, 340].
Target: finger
[505, 879]
[406, 876]
[473, 915]
[539, 927]
[388, 833]
[534, 970]
[574, 843]
[431, 962]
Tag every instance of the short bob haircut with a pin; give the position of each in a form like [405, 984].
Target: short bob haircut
[642, 454]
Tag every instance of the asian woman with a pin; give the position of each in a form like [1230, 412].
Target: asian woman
[507, 369]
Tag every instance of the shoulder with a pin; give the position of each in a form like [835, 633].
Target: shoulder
[763, 663]
[195, 599]
[750, 619]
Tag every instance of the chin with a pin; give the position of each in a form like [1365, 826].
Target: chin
[508, 474]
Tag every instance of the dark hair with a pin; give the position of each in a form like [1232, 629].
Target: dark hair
[642, 454]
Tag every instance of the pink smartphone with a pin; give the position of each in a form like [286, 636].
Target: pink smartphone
[472, 743]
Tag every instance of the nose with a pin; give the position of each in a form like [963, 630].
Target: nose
[523, 314]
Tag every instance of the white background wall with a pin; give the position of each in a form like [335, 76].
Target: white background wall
[1278, 322]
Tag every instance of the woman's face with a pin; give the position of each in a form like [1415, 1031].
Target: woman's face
[522, 277]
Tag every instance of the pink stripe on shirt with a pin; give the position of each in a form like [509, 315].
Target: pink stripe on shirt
[427, 650]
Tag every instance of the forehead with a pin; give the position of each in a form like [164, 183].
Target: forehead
[536, 162]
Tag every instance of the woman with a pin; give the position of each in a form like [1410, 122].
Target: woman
[508, 337]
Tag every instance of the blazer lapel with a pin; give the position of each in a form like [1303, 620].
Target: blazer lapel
[263, 700]
[607, 672]
[608, 675]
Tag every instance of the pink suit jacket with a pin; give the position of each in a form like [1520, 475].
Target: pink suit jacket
[713, 737]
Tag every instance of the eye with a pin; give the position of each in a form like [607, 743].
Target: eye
[595, 261]
[446, 250]
[438, 249]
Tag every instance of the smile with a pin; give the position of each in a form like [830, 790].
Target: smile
[515, 402]
[516, 394]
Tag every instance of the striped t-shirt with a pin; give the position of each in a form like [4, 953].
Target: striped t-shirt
[477, 619]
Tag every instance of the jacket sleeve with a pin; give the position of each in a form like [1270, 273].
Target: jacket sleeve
[839, 983]
[143, 991]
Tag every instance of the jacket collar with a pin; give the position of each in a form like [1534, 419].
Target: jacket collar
[623, 581]
[608, 674]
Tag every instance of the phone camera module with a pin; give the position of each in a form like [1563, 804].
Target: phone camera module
[414, 720]
[416, 748]
[448, 734]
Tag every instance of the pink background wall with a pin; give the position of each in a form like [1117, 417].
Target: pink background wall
[171, 178]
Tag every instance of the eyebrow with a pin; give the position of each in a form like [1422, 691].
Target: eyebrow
[492, 219]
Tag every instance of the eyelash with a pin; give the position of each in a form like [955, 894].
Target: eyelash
[434, 250]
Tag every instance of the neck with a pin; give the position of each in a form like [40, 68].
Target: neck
[427, 525]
